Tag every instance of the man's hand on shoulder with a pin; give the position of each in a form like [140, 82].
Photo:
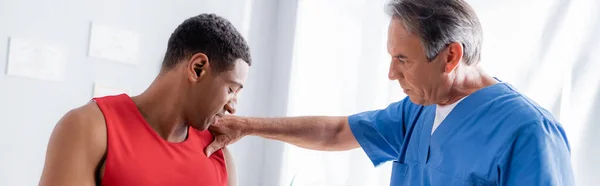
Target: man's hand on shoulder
[227, 130]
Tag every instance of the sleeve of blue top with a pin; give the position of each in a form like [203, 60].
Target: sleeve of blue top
[380, 132]
[539, 155]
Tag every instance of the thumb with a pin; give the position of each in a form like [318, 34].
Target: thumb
[210, 149]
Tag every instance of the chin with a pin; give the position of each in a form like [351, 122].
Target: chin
[202, 127]
[205, 127]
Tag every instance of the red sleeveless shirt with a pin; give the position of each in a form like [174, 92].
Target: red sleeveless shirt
[137, 155]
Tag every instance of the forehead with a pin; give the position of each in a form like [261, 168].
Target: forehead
[238, 72]
[401, 40]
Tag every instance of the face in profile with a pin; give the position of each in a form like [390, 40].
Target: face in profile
[419, 77]
[213, 93]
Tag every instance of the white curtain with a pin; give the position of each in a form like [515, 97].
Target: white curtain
[339, 68]
[543, 47]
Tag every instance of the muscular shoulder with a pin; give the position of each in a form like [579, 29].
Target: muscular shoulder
[82, 131]
[83, 121]
[75, 148]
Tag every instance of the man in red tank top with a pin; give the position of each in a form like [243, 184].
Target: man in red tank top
[158, 137]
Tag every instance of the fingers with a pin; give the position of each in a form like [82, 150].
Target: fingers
[214, 146]
[210, 149]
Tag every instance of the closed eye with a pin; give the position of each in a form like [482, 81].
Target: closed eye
[401, 59]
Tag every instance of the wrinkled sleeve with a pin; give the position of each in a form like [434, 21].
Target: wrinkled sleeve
[539, 155]
[380, 133]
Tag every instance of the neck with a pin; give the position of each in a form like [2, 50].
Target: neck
[161, 107]
[465, 80]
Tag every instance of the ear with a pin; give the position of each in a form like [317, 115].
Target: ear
[455, 54]
[198, 66]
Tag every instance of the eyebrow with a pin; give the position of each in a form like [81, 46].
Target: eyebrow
[400, 56]
[234, 82]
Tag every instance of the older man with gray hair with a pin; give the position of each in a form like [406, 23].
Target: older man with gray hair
[458, 125]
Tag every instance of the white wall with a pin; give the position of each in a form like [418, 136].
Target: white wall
[271, 39]
[30, 108]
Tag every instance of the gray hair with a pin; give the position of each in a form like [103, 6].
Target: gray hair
[439, 23]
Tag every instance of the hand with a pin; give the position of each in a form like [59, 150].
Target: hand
[227, 130]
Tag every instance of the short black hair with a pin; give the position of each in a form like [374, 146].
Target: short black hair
[439, 23]
[209, 34]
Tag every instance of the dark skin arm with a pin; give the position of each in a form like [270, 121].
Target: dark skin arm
[75, 149]
[326, 133]
[231, 172]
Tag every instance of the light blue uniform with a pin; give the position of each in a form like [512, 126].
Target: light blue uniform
[495, 136]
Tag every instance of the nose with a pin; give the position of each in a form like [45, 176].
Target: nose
[230, 106]
[394, 72]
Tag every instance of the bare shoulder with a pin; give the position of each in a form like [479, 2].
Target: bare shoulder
[228, 159]
[89, 113]
[226, 152]
[86, 121]
[85, 124]
[76, 146]
[231, 170]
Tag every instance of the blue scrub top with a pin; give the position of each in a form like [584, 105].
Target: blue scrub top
[495, 136]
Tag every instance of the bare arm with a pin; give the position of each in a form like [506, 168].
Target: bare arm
[231, 172]
[325, 133]
[76, 146]
[317, 133]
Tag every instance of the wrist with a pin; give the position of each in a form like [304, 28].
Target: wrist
[248, 126]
